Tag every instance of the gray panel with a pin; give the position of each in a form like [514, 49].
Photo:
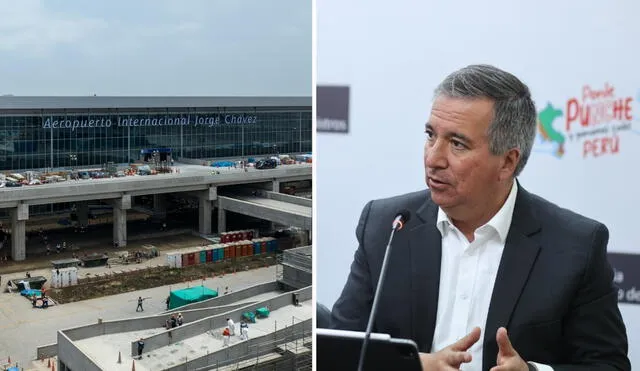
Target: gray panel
[10, 103]
[332, 109]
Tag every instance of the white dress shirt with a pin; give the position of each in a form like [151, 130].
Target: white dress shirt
[467, 275]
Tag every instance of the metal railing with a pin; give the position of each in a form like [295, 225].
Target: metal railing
[293, 346]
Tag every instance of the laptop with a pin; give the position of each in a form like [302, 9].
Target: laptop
[340, 350]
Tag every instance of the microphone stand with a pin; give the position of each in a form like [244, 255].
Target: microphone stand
[374, 308]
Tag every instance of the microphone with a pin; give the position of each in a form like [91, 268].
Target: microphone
[398, 223]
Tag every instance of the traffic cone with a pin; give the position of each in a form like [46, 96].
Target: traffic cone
[119, 357]
[133, 368]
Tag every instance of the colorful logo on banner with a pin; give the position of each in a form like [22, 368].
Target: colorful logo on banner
[592, 122]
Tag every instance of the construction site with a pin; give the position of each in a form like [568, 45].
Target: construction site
[281, 340]
[79, 300]
[102, 333]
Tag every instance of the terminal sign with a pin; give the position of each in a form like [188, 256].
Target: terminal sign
[195, 120]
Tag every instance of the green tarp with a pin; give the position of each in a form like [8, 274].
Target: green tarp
[262, 312]
[249, 317]
[182, 297]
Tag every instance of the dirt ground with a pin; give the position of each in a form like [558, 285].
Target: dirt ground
[43, 261]
[154, 277]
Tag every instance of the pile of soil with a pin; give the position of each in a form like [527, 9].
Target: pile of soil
[153, 277]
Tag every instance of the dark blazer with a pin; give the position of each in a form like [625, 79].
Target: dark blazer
[554, 289]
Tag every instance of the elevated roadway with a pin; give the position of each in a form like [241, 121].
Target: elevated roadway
[114, 188]
[282, 211]
[119, 191]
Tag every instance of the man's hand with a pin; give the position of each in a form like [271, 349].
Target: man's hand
[508, 358]
[452, 356]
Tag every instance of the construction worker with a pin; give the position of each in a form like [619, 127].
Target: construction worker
[226, 334]
[140, 347]
[232, 326]
[140, 300]
[244, 330]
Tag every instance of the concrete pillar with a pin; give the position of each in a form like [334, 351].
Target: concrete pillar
[206, 199]
[19, 216]
[82, 211]
[160, 205]
[222, 220]
[204, 220]
[305, 238]
[275, 187]
[120, 207]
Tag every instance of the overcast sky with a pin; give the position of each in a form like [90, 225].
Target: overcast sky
[156, 47]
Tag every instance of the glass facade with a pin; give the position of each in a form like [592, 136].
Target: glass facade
[67, 138]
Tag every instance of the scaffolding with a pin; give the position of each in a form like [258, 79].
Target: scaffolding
[294, 267]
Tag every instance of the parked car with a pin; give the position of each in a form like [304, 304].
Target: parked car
[268, 163]
[144, 170]
[13, 184]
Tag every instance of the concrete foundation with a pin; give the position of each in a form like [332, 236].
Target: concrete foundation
[19, 216]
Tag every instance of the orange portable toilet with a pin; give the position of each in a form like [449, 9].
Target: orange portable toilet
[244, 249]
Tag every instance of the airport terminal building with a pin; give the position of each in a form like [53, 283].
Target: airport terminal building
[62, 132]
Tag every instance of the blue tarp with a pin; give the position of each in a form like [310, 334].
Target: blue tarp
[31, 292]
[222, 164]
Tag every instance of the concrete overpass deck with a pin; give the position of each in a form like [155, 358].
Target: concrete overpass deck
[278, 211]
[103, 350]
[119, 192]
[114, 188]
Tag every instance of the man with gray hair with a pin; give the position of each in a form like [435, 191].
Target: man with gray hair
[485, 275]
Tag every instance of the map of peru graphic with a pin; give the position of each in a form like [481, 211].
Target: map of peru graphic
[545, 126]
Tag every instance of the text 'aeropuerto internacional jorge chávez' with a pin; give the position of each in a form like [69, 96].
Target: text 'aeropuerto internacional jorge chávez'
[195, 120]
